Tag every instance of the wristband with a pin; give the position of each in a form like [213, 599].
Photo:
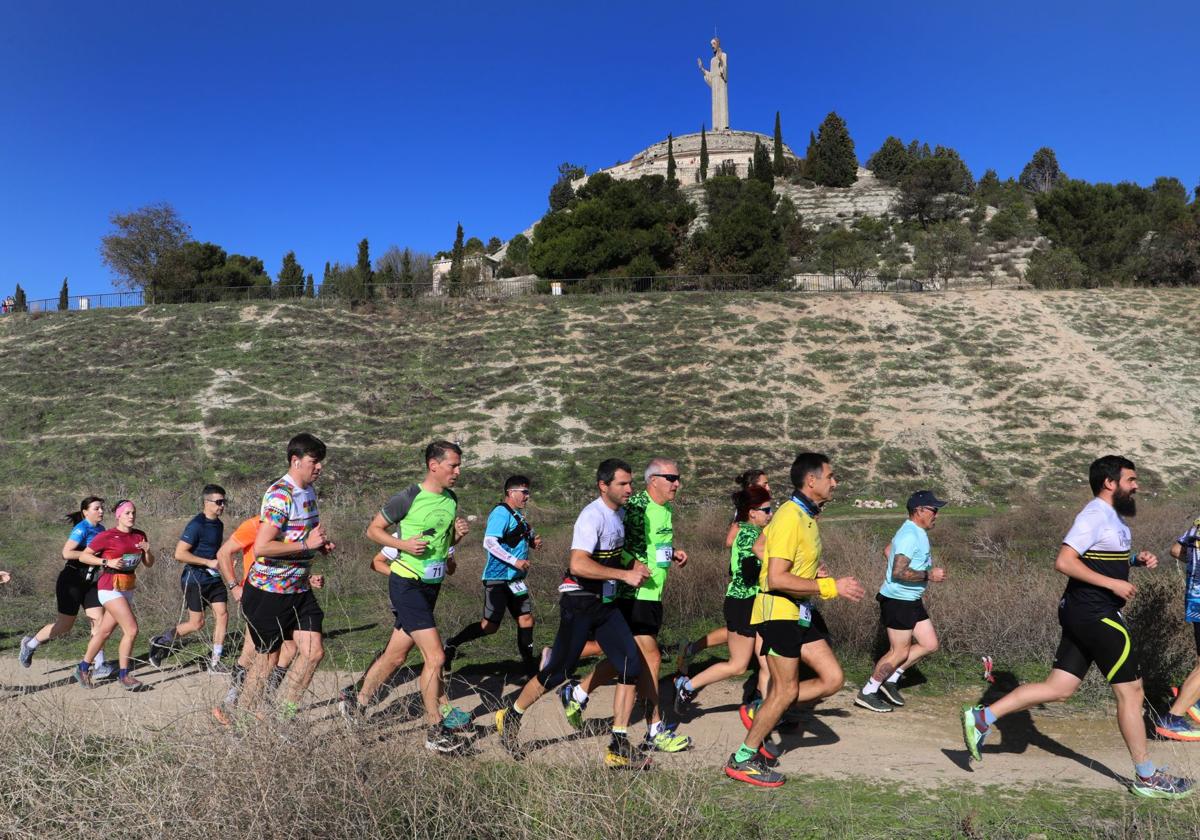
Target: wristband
[827, 586]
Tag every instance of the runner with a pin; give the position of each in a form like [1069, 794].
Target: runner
[200, 581]
[649, 541]
[277, 599]
[241, 542]
[76, 587]
[910, 632]
[422, 523]
[1095, 556]
[720, 635]
[753, 514]
[586, 609]
[119, 551]
[507, 540]
[1175, 723]
[791, 629]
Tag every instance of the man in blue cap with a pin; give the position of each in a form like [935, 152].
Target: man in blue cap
[911, 636]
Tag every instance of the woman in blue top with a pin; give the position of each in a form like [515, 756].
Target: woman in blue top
[76, 586]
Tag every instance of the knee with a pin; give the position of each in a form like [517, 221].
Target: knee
[489, 627]
[629, 669]
[316, 652]
[933, 645]
[435, 660]
[832, 681]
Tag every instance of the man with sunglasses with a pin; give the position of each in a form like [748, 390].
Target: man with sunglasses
[649, 540]
[909, 630]
[507, 540]
[200, 581]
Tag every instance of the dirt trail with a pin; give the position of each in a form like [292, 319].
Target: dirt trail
[919, 743]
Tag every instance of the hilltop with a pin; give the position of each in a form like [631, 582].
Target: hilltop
[983, 395]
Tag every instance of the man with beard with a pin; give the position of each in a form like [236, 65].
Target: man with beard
[1096, 556]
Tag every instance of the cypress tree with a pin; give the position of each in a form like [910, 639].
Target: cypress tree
[778, 163]
[455, 277]
[291, 277]
[835, 164]
[64, 297]
[762, 164]
[327, 284]
[20, 304]
[407, 288]
[703, 155]
[810, 155]
[671, 160]
[309, 290]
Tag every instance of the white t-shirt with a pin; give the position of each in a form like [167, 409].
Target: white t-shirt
[600, 531]
[1103, 542]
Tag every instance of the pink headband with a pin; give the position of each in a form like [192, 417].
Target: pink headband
[121, 508]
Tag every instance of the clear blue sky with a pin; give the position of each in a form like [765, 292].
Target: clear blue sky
[274, 126]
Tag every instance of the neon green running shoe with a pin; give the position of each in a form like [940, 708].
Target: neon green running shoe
[667, 741]
[972, 736]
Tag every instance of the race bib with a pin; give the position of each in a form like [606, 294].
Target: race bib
[434, 573]
[663, 555]
[805, 619]
[518, 587]
[130, 561]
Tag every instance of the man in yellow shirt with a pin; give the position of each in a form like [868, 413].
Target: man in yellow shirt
[790, 627]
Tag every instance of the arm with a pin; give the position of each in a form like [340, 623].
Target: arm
[378, 533]
[582, 565]
[731, 534]
[1176, 551]
[147, 554]
[903, 573]
[183, 554]
[780, 580]
[461, 529]
[493, 547]
[1070, 564]
[224, 562]
[268, 544]
[380, 564]
[72, 551]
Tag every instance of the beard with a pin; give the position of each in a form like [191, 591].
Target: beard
[1124, 504]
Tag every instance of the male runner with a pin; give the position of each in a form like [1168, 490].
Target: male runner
[586, 609]
[277, 599]
[791, 629]
[1095, 556]
[200, 580]
[422, 524]
[1175, 723]
[650, 541]
[507, 540]
[909, 570]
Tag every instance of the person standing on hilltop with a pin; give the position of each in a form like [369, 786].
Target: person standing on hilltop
[909, 570]
[1096, 556]
[75, 588]
[422, 525]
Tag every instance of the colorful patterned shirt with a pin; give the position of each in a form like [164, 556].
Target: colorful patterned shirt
[293, 510]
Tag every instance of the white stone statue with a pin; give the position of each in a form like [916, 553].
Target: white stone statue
[717, 78]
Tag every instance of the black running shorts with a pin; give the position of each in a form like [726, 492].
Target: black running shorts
[786, 637]
[1104, 641]
[644, 618]
[273, 617]
[498, 598]
[412, 602]
[73, 591]
[737, 615]
[199, 593]
[897, 614]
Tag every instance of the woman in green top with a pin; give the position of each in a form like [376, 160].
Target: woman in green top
[753, 514]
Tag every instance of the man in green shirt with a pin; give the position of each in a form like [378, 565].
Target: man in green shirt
[650, 540]
[417, 527]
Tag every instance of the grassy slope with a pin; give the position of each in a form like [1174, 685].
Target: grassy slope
[973, 393]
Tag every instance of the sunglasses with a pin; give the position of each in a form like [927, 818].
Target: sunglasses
[216, 501]
[523, 491]
[672, 478]
[766, 509]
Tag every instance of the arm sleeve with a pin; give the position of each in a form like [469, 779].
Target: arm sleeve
[492, 546]
[275, 510]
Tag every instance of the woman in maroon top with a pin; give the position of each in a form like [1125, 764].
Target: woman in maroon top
[120, 551]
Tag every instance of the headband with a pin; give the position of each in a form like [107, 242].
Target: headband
[121, 508]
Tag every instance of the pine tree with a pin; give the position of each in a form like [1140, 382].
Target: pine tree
[671, 160]
[778, 163]
[291, 277]
[327, 284]
[703, 155]
[455, 277]
[835, 164]
[762, 164]
[309, 290]
[20, 304]
[365, 276]
[64, 297]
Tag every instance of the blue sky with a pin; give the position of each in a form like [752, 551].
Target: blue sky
[307, 126]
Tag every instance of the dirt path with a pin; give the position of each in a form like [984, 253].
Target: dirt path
[919, 743]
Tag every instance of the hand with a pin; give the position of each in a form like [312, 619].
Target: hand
[822, 571]
[316, 581]
[700, 63]
[1122, 588]
[315, 539]
[850, 589]
[522, 566]
[636, 575]
[461, 527]
[236, 592]
[5, 577]
[414, 545]
[451, 565]
[327, 548]
[143, 546]
[937, 574]
[680, 557]
[537, 541]
[1145, 558]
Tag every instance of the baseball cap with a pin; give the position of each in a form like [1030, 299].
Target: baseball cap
[924, 498]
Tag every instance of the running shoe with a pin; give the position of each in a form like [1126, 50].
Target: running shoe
[454, 718]
[508, 724]
[440, 739]
[1177, 728]
[1193, 710]
[769, 752]
[103, 671]
[353, 711]
[891, 693]
[219, 667]
[972, 735]
[572, 708]
[753, 771]
[623, 754]
[683, 658]
[158, 652]
[25, 657]
[872, 702]
[683, 694]
[747, 710]
[130, 683]
[1162, 785]
[667, 741]
[84, 678]
[221, 714]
